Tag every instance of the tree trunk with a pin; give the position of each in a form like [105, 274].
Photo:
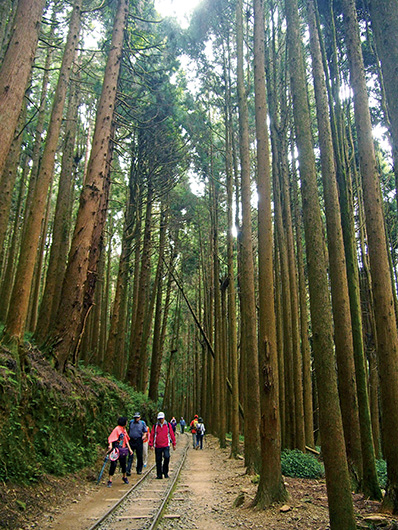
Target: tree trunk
[305, 344]
[338, 272]
[271, 486]
[232, 325]
[20, 296]
[62, 225]
[157, 346]
[8, 277]
[248, 305]
[133, 369]
[387, 336]
[94, 197]
[385, 25]
[8, 178]
[369, 479]
[333, 446]
[16, 68]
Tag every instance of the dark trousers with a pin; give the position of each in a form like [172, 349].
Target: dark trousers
[136, 445]
[162, 453]
[122, 462]
[199, 440]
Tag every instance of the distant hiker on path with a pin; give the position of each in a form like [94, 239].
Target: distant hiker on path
[137, 433]
[200, 431]
[173, 423]
[162, 436]
[119, 448]
[192, 426]
[182, 425]
[145, 447]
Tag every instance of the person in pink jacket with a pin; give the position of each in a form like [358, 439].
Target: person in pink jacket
[161, 437]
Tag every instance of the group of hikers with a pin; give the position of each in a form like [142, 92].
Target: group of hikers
[123, 442]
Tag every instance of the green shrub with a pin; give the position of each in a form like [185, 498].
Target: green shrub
[58, 423]
[301, 465]
[381, 468]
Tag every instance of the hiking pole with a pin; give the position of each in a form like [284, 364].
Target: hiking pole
[103, 467]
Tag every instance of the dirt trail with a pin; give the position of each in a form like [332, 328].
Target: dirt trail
[209, 484]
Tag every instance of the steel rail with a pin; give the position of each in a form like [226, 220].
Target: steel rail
[113, 508]
[169, 492]
[159, 512]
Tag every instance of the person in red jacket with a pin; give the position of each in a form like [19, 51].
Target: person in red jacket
[161, 437]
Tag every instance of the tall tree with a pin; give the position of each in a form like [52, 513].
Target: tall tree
[16, 318]
[93, 203]
[271, 487]
[62, 223]
[16, 68]
[248, 305]
[338, 271]
[386, 325]
[333, 446]
[385, 24]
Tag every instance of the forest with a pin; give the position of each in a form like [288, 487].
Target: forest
[205, 217]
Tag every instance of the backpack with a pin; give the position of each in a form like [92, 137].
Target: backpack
[200, 428]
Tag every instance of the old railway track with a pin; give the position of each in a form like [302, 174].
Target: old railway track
[144, 505]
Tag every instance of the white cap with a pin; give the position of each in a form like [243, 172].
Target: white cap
[160, 415]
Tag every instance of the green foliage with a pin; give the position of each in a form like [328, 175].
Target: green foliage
[381, 468]
[301, 465]
[57, 424]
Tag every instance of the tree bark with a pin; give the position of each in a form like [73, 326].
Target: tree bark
[20, 296]
[16, 68]
[133, 369]
[62, 225]
[387, 336]
[384, 15]
[248, 305]
[333, 447]
[94, 197]
[271, 486]
[338, 271]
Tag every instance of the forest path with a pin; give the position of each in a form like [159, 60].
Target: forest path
[210, 483]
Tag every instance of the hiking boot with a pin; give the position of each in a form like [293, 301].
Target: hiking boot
[128, 474]
[166, 476]
[125, 480]
[109, 483]
[159, 478]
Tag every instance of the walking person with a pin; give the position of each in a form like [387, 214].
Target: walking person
[145, 441]
[200, 432]
[137, 433]
[118, 442]
[162, 436]
[173, 423]
[192, 426]
[182, 425]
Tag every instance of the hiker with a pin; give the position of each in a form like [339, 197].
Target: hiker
[173, 423]
[200, 431]
[182, 425]
[145, 441]
[192, 426]
[119, 448]
[137, 433]
[162, 435]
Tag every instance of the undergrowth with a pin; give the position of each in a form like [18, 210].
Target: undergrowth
[302, 465]
[381, 468]
[58, 423]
